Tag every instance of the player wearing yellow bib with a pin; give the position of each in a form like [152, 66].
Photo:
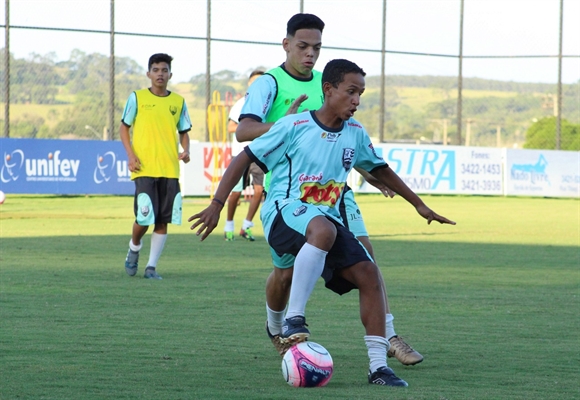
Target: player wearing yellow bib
[156, 116]
[290, 88]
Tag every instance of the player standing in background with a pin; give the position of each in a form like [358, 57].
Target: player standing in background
[292, 87]
[256, 173]
[156, 115]
[310, 155]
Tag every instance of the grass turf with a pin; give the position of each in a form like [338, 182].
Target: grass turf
[491, 303]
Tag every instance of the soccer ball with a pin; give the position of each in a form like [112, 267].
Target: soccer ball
[2, 197]
[307, 364]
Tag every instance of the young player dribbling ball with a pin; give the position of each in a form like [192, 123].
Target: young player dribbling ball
[309, 154]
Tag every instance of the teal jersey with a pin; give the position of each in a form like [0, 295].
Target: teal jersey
[310, 162]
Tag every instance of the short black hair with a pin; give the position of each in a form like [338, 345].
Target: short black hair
[303, 21]
[256, 72]
[335, 71]
[158, 58]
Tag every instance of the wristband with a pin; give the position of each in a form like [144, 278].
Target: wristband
[221, 203]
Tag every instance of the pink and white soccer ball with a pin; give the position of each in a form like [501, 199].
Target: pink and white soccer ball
[307, 364]
[2, 197]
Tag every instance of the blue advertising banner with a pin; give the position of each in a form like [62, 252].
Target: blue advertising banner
[64, 167]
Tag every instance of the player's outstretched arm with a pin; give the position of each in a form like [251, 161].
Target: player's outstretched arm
[208, 219]
[385, 190]
[388, 177]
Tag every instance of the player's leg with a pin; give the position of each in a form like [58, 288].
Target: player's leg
[143, 209]
[277, 292]
[233, 199]
[302, 230]
[398, 347]
[366, 276]
[167, 206]
[257, 182]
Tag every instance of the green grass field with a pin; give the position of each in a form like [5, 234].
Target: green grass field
[492, 303]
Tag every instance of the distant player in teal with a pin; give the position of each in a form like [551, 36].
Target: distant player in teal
[292, 87]
[310, 155]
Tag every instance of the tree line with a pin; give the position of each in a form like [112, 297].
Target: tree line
[81, 83]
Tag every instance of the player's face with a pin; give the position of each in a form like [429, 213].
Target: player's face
[302, 51]
[159, 74]
[345, 99]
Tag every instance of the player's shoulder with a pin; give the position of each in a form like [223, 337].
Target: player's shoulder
[355, 125]
[298, 119]
[176, 96]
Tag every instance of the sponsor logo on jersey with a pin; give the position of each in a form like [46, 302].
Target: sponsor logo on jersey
[347, 156]
[302, 121]
[173, 110]
[147, 106]
[330, 137]
[323, 194]
[310, 178]
[267, 103]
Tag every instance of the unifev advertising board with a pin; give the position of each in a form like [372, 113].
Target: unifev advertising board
[546, 173]
[64, 167]
[445, 169]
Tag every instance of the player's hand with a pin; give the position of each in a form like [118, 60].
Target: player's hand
[207, 220]
[184, 157]
[134, 163]
[431, 216]
[387, 192]
[296, 104]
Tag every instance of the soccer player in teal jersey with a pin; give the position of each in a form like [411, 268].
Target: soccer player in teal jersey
[289, 88]
[310, 155]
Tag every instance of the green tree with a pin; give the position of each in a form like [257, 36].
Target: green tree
[542, 135]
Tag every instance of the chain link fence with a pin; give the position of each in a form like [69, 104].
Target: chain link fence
[442, 88]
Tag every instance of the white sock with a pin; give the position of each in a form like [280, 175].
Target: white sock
[247, 224]
[390, 328]
[229, 226]
[133, 247]
[275, 319]
[308, 267]
[377, 350]
[157, 245]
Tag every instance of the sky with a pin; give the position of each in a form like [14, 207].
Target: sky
[491, 28]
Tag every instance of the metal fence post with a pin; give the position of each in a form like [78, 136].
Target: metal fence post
[559, 116]
[111, 123]
[382, 95]
[460, 77]
[7, 69]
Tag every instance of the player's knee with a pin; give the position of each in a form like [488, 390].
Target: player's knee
[283, 276]
[321, 233]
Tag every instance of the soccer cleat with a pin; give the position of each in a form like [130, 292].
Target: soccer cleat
[229, 236]
[294, 331]
[386, 377]
[247, 234]
[281, 348]
[403, 352]
[150, 273]
[132, 262]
